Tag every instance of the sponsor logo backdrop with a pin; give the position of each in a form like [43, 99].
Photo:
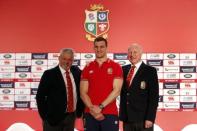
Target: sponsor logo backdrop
[20, 74]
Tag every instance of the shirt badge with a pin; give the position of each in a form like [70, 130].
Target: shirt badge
[143, 85]
[91, 71]
[109, 71]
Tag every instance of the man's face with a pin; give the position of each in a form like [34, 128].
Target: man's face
[100, 49]
[66, 60]
[134, 55]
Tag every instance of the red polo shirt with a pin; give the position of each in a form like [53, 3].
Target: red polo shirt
[100, 79]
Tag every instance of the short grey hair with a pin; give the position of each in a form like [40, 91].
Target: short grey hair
[67, 50]
[136, 45]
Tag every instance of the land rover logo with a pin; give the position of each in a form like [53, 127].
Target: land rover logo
[122, 62]
[88, 56]
[171, 92]
[22, 75]
[171, 56]
[6, 91]
[187, 75]
[7, 56]
[39, 62]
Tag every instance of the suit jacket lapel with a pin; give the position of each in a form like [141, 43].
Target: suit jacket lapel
[127, 71]
[60, 78]
[138, 73]
[74, 73]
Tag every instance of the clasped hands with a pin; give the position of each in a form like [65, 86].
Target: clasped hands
[95, 111]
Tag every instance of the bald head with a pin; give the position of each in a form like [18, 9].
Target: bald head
[136, 46]
[135, 53]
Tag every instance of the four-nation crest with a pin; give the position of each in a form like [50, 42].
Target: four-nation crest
[96, 22]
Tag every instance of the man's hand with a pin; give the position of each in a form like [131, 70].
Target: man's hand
[148, 124]
[99, 117]
[95, 111]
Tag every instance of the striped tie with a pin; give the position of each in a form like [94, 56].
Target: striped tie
[70, 101]
[130, 75]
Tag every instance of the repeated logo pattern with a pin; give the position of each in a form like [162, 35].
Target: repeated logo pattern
[20, 74]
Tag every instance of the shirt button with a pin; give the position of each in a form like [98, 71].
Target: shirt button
[127, 103]
[128, 94]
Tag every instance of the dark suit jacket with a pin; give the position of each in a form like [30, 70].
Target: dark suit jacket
[139, 102]
[51, 95]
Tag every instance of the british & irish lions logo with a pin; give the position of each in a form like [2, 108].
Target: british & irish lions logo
[96, 22]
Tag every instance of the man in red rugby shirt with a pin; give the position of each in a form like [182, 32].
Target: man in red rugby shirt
[101, 83]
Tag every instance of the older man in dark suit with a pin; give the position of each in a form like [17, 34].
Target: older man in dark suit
[139, 95]
[58, 97]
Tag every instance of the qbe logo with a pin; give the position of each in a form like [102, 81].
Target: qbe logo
[187, 69]
[39, 56]
[6, 84]
[188, 105]
[22, 104]
[155, 62]
[171, 85]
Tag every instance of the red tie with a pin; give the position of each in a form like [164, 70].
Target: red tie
[70, 101]
[130, 75]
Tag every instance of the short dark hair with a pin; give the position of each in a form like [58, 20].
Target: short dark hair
[97, 39]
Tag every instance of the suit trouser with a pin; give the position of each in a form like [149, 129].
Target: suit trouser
[110, 123]
[135, 126]
[66, 125]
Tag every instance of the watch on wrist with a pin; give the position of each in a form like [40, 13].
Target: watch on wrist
[101, 106]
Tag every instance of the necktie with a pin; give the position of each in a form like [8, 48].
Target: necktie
[70, 101]
[130, 75]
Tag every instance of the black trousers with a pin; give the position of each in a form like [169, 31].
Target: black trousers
[110, 123]
[135, 126]
[66, 125]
